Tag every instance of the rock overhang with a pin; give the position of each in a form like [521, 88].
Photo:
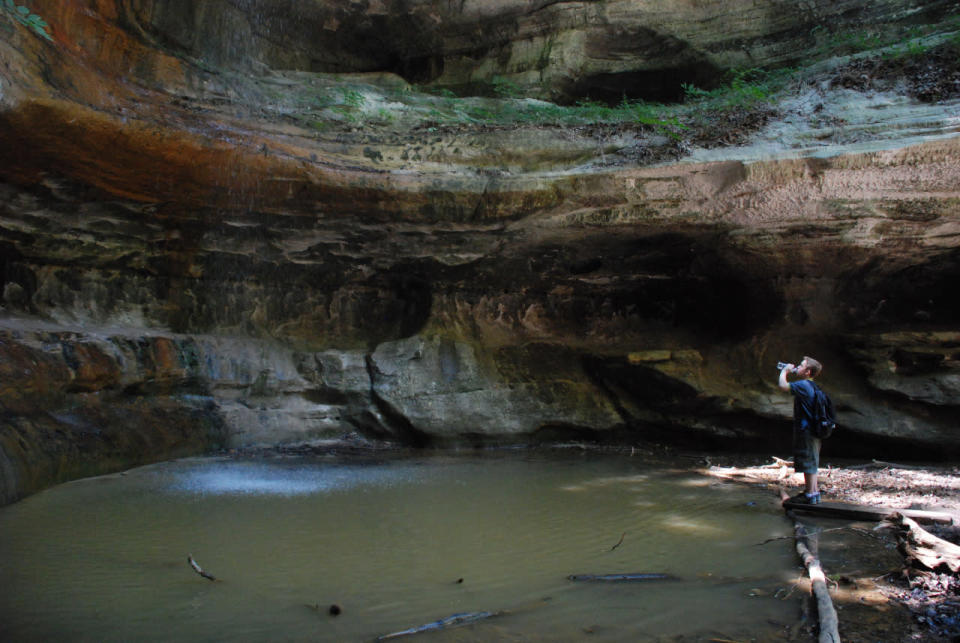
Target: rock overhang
[163, 203]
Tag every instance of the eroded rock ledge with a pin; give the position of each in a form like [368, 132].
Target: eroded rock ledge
[188, 264]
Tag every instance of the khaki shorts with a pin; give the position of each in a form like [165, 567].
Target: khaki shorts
[806, 451]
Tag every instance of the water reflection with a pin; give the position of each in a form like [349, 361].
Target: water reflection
[258, 478]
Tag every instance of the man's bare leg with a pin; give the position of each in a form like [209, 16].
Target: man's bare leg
[810, 483]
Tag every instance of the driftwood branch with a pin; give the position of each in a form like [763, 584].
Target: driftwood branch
[461, 619]
[893, 465]
[920, 548]
[883, 465]
[626, 577]
[198, 569]
[450, 622]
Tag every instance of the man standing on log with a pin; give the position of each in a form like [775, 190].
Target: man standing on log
[806, 446]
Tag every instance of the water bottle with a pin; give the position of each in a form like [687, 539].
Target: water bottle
[781, 365]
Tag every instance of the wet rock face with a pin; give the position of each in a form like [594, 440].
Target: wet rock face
[76, 406]
[188, 264]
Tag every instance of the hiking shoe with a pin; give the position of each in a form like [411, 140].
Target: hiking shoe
[804, 499]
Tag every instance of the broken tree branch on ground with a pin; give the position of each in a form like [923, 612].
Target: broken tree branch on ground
[920, 548]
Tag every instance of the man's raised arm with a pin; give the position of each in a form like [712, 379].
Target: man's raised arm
[784, 384]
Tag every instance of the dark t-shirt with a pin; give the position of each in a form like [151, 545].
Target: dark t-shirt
[803, 396]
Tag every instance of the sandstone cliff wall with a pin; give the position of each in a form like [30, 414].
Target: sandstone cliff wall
[189, 264]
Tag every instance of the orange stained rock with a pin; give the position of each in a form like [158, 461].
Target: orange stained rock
[166, 357]
[28, 371]
[93, 369]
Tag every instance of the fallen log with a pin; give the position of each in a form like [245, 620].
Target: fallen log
[866, 513]
[880, 464]
[829, 623]
[638, 577]
[920, 548]
[827, 615]
[894, 465]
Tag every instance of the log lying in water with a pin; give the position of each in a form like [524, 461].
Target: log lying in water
[807, 545]
[465, 618]
[455, 620]
[865, 513]
[826, 612]
[638, 577]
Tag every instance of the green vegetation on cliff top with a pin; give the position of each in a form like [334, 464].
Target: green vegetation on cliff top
[336, 101]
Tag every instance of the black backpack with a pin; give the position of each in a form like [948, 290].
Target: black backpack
[824, 415]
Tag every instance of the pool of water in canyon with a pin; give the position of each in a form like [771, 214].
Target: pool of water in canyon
[397, 542]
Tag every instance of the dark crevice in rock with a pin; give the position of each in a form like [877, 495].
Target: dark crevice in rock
[326, 396]
[369, 426]
[652, 404]
[418, 69]
[596, 371]
[398, 424]
[637, 387]
[656, 85]
[193, 386]
[412, 300]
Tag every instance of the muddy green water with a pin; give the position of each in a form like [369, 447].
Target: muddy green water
[104, 559]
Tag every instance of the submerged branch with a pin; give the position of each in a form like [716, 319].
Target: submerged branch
[629, 577]
[619, 542]
[198, 569]
[455, 620]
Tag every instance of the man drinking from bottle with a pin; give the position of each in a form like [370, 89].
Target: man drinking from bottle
[806, 446]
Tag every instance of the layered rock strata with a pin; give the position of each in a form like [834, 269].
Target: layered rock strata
[187, 264]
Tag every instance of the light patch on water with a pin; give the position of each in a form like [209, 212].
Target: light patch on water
[697, 482]
[689, 525]
[607, 482]
[239, 478]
